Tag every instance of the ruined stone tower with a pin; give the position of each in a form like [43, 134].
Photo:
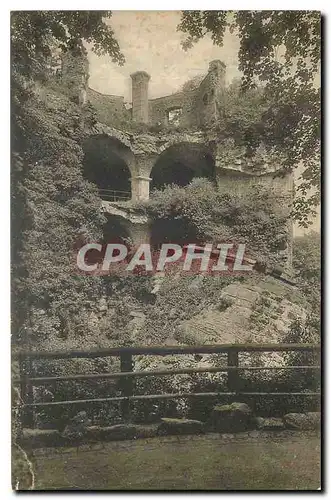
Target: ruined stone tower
[74, 74]
[140, 81]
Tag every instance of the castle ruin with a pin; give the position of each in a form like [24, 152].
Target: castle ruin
[167, 140]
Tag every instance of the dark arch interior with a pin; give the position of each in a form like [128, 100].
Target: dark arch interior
[104, 164]
[171, 231]
[115, 231]
[180, 164]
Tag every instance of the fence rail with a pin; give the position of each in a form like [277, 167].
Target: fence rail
[114, 195]
[126, 376]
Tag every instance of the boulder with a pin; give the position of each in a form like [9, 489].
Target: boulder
[315, 419]
[234, 417]
[271, 423]
[302, 421]
[180, 426]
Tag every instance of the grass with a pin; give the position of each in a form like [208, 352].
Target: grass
[208, 462]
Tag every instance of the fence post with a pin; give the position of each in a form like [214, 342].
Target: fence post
[233, 376]
[126, 384]
[26, 391]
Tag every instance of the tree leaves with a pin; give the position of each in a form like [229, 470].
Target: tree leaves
[281, 50]
[53, 205]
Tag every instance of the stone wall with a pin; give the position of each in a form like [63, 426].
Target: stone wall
[110, 109]
[158, 108]
[199, 105]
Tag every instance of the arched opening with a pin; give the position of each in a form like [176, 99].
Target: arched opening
[116, 231]
[175, 231]
[106, 165]
[180, 163]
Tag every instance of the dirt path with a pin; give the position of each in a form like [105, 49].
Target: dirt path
[211, 462]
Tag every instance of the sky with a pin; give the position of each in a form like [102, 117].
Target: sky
[150, 42]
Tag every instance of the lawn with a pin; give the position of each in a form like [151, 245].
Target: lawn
[211, 462]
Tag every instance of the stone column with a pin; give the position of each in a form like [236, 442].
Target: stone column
[140, 188]
[140, 81]
[141, 180]
[75, 74]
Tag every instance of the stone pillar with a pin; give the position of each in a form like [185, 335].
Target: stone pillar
[141, 180]
[140, 81]
[140, 188]
[210, 94]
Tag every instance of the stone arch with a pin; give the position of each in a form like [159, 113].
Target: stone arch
[109, 164]
[187, 138]
[182, 162]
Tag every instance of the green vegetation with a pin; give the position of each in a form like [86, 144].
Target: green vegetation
[307, 266]
[199, 212]
[54, 208]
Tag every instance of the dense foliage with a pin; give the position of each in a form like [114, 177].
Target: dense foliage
[241, 115]
[281, 50]
[307, 266]
[198, 212]
[53, 207]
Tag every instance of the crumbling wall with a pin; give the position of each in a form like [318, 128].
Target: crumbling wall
[110, 109]
[210, 94]
[74, 74]
[158, 108]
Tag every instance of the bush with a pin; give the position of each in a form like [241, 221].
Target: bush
[203, 214]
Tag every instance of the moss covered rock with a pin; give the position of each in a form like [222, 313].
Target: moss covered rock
[234, 417]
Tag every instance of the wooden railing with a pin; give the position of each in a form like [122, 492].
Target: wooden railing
[114, 195]
[126, 376]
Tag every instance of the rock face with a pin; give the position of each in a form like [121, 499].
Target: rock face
[180, 426]
[234, 417]
[303, 421]
[258, 309]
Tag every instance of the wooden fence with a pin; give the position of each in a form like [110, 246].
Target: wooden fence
[126, 376]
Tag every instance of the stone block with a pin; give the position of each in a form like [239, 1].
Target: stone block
[117, 432]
